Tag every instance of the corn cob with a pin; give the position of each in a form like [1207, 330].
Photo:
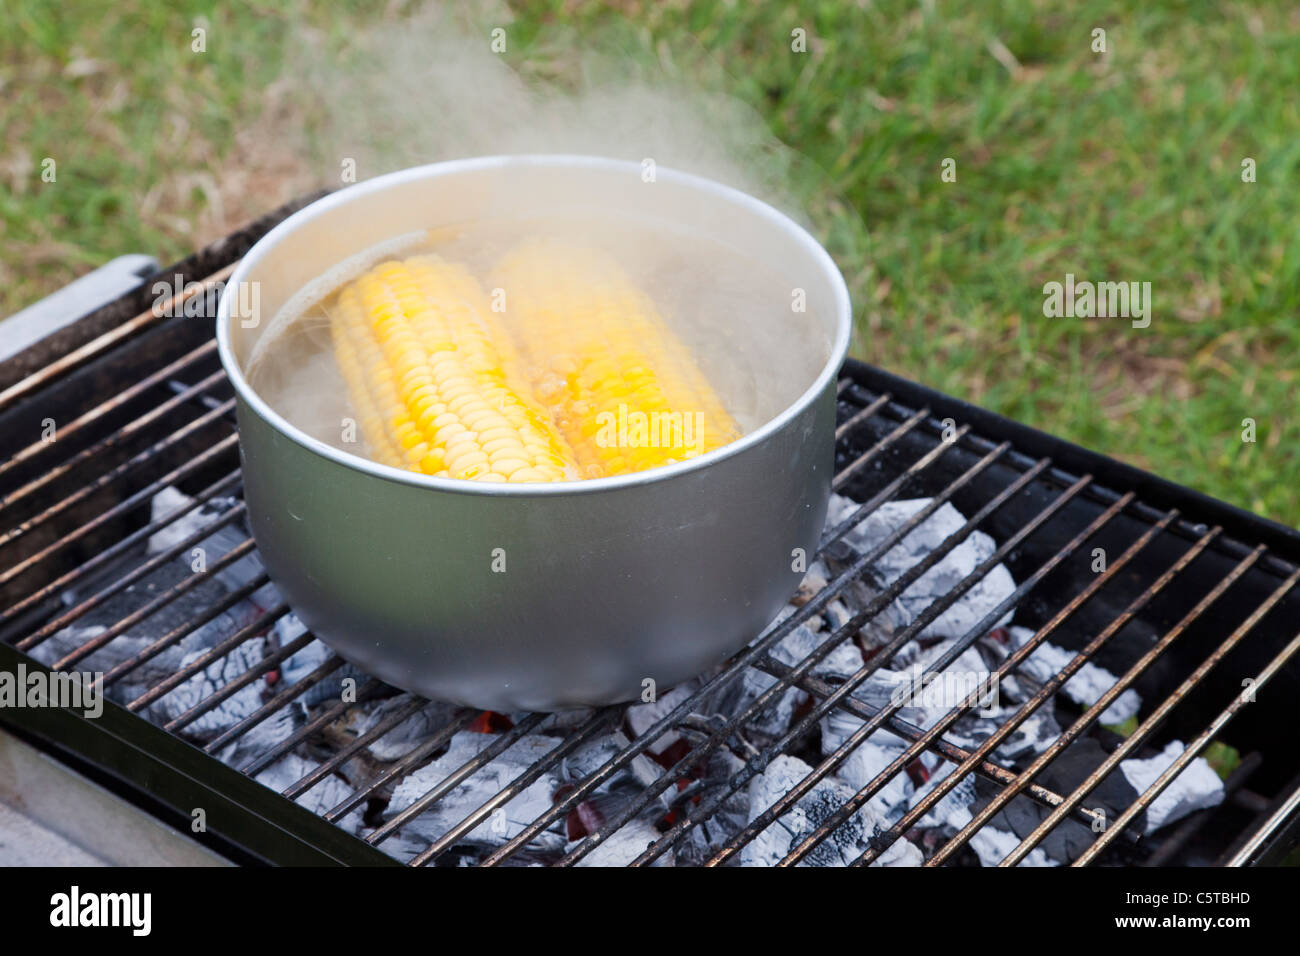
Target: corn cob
[435, 382]
[622, 388]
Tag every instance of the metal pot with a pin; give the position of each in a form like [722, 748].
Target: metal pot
[607, 584]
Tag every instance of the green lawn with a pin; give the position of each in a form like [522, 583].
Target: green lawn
[1123, 166]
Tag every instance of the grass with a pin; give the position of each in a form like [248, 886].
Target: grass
[1121, 166]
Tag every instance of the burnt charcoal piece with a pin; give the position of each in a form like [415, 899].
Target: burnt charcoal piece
[1070, 838]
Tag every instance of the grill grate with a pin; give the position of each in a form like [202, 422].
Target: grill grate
[1183, 611]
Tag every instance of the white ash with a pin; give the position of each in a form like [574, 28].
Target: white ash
[165, 502]
[121, 648]
[624, 846]
[564, 722]
[261, 738]
[866, 761]
[775, 717]
[643, 768]
[935, 695]
[1086, 687]
[299, 665]
[217, 544]
[500, 826]
[971, 607]
[220, 542]
[1032, 736]
[929, 698]
[1196, 788]
[953, 808]
[841, 663]
[144, 634]
[845, 844]
[702, 841]
[884, 686]
[969, 664]
[177, 613]
[288, 629]
[997, 703]
[328, 792]
[992, 845]
[589, 757]
[814, 582]
[211, 679]
[641, 717]
[856, 594]
[835, 615]
[408, 734]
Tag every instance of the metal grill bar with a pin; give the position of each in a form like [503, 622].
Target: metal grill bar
[764, 643]
[155, 605]
[212, 654]
[887, 429]
[279, 700]
[858, 418]
[598, 722]
[1096, 710]
[891, 490]
[842, 752]
[1286, 810]
[157, 413]
[127, 505]
[1145, 728]
[950, 751]
[958, 647]
[109, 340]
[836, 638]
[1192, 750]
[371, 688]
[1055, 682]
[760, 762]
[845, 476]
[1233, 789]
[499, 746]
[243, 680]
[310, 779]
[229, 483]
[1272, 563]
[136, 574]
[120, 400]
[176, 634]
[145, 457]
[400, 769]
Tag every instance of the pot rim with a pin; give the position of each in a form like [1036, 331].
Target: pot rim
[357, 192]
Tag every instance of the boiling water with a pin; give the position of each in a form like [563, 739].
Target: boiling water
[738, 317]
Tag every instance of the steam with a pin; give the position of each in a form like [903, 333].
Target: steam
[429, 87]
[436, 85]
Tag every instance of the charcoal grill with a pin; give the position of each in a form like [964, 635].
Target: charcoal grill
[1196, 608]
